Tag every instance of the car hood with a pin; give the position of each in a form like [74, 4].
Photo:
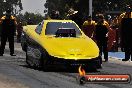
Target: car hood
[71, 48]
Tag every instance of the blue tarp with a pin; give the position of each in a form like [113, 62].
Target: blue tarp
[118, 55]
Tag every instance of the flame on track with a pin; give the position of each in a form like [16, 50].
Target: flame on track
[81, 71]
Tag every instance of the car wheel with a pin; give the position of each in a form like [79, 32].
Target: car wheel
[24, 43]
[24, 47]
[99, 62]
[27, 60]
[44, 61]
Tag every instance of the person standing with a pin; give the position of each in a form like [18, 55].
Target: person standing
[101, 35]
[19, 31]
[8, 23]
[89, 27]
[75, 16]
[126, 33]
[55, 14]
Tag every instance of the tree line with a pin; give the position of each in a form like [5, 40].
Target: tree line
[14, 5]
[99, 6]
[16, 8]
[35, 18]
[82, 6]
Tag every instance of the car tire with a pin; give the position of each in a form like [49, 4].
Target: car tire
[24, 47]
[24, 43]
[99, 63]
[27, 60]
[44, 61]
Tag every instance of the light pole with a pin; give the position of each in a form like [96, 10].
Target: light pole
[90, 7]
[4, 6]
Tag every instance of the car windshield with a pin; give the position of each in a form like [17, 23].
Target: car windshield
[62, 29]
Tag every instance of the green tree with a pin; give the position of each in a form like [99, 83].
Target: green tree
[64, 5]
[35, 18]
[14, 5]
[99, 6]
[59, 5]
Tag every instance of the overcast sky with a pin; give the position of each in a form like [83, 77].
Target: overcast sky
[33, 6]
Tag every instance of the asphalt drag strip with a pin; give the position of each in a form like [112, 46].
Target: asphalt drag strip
[16, 70]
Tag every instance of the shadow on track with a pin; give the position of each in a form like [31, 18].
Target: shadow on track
[61, 69]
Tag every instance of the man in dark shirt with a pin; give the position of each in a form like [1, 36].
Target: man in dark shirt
[101, 35]
[126, 35]
[75, 16]
[8, 23]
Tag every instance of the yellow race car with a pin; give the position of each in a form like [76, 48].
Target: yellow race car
[59, 42]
